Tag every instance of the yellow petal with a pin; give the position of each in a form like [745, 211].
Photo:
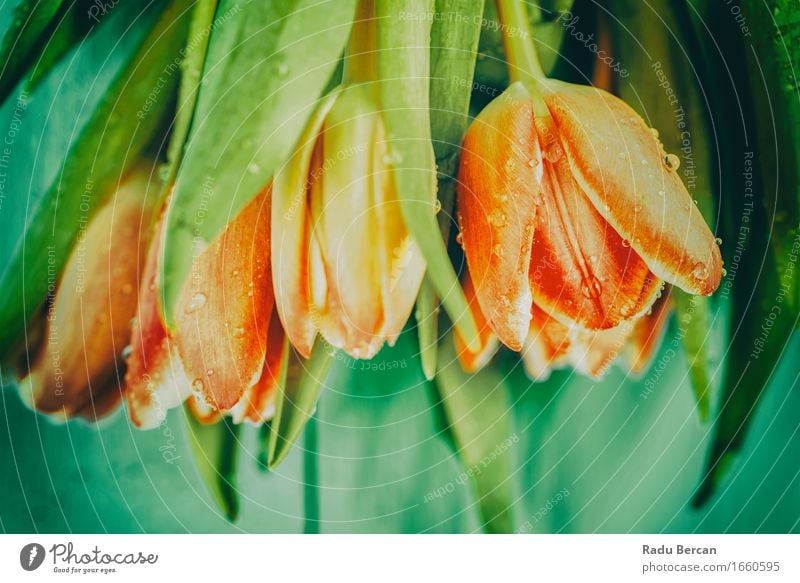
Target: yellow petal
[620, 165]
[498, 184]
[290, 236]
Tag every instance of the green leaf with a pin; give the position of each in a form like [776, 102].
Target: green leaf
[760, 179]
[99, 153]
[21, 41]
[297, 399]
[267, 66]
[194, 57]
[216, 454]
[403, 34]
[427, 318]
[454, 45]
[694, 320]
[478, 410]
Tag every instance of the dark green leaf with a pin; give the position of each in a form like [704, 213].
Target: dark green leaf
[215, 448]
[297, 399]
[120, 124]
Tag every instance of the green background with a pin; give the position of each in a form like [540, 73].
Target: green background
[629, 463]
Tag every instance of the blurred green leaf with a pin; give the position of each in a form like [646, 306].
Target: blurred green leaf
[99, 153]
[478, 411]
[404, 77]
[215, 448]
[758, 132]
[297, 399]
[267, 66]
[23, 39]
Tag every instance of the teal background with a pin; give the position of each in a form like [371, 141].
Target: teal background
[628, 463]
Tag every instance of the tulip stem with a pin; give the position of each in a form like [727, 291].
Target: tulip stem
[360, 63]
[521, 53]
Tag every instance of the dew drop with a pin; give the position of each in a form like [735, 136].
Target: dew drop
[533, 162]
[253, 168]
[438, 207]
[498, 250]
[460, 239]
[502, 198]
[127, 289]
[661, 193]
[198, 301]
[210, 372]
[654, 131]
[672, 161]
[498, 218]
[622, 155]
[197, 385]
[126, 352]
[718, 241]
[724, 272]
[700, 271]
[283, 69]
[626, 243]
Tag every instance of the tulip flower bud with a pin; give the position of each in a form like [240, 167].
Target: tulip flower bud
[355, 272]
[79, 368]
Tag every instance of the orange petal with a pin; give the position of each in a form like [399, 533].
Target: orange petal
[593, 351]
[258, 403]
[155, 381]
[88, 324]
[546, 347]
[474, 361]
[581, 270]
[648, 334]
[290, 236]
[497, 189]
[622, 168]
[224, 309]
[202, 411]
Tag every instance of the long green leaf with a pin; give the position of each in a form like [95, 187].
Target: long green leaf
[404, 72]
[478, 411]
[22, 39]
[762, 212]
[215, 449]
[296, 401]
[267, 65]
[98, 155]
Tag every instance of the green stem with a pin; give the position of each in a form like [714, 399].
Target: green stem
[360, 59]
[518, 41]
[311, 478]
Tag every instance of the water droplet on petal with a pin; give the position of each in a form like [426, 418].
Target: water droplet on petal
[210, 372]
[654, 131]
[126, 352]
[498, 218]
[198, 301]
[460, 239]
[253, 168]
[718, 241]
[591, 288]
[626, 243]
[661, 193]
[700, 271]
[197, 385]
[498, 250]
[438, 207]
[672, 161]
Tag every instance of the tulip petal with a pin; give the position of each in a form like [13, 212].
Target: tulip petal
[623, 169]
[498, 185]
[290, 236]
[258, 402]
[88, 324]
[547, 346]
[224, 309]
[592, 352]
[155, 381]
[402, 264]
[582, 271]
[648, 334]
[474, 361]
[344, 213]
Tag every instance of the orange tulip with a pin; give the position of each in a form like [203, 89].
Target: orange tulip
[344, 263]
[78, 369]
[229, 346]
[570, 210]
